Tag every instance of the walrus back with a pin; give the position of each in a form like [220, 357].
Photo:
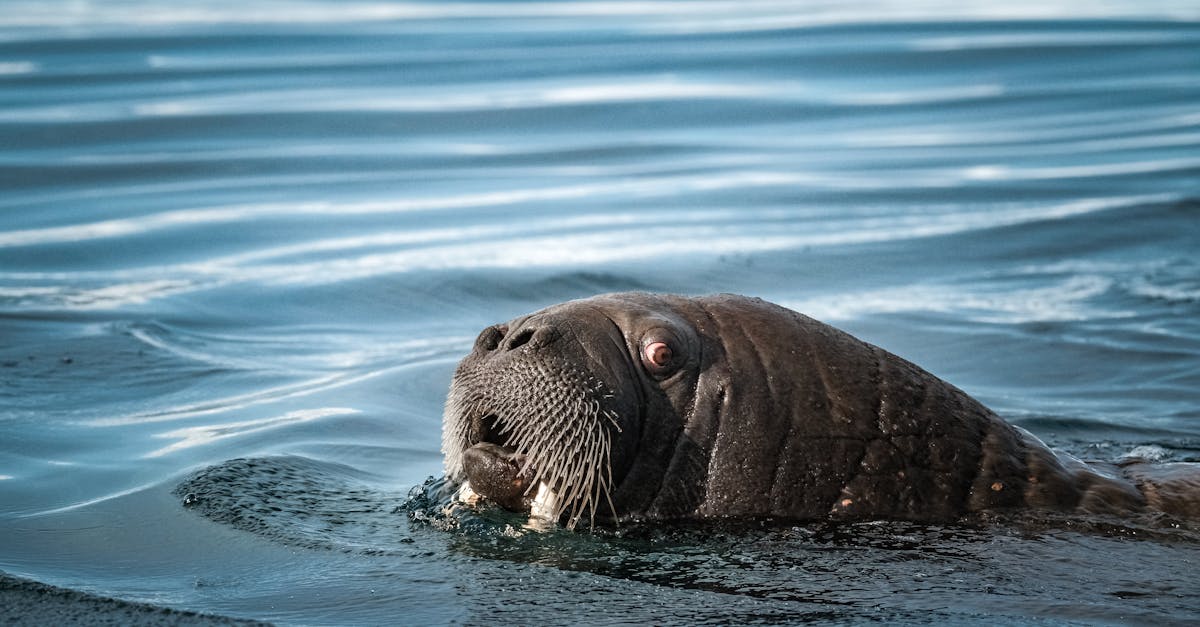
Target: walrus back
[856, 432]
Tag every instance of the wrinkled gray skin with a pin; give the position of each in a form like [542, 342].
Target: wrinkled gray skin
[759, 412]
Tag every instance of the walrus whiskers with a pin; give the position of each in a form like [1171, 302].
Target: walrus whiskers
[564, 434]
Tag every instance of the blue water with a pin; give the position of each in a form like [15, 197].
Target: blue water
[268, 231]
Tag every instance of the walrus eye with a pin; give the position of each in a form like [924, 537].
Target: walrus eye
[657, 357]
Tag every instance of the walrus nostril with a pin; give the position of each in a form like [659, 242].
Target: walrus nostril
[490, 338]
[521, 338]
[533, 336]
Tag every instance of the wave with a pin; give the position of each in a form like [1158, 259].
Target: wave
[687, 16]
[1064, 300]
[578, 241]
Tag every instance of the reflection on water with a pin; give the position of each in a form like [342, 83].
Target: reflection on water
[587, 240]
[207, 434]
[242, 246]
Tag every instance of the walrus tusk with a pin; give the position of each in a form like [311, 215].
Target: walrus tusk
[466, 495]
[543, 505]
[541, 508]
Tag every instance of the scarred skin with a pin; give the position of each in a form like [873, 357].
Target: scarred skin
[759, 411]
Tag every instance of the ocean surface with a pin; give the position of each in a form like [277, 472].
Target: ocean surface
[244, 244]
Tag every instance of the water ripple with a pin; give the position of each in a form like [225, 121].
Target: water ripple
[268, 230]
[688, 16]
[202, 435]
[552, 242]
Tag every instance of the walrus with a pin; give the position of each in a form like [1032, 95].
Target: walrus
[639, 406]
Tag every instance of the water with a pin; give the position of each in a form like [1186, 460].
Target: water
[267, 232]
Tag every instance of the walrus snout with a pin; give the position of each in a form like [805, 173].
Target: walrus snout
[503, 338]
[555, 387]
[496, 473]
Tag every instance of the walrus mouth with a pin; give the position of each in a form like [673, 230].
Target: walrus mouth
[530, 427]
[490, 429]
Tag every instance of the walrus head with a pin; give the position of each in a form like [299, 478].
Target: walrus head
[569, 398]
[650, 406]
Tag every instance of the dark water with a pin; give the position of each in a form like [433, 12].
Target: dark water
[266, 231]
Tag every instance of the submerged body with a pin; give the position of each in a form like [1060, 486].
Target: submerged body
[662, 407]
